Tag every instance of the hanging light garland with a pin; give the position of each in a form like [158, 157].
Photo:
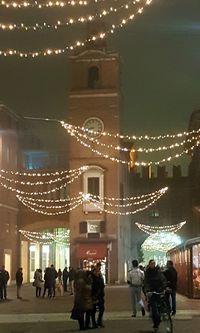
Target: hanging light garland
[98, 205]
[44, 174]
[46, 237]
[98, 198]
[161, 241]
[130, 137]
[71, 21]
[78, 44]
[154, 229]
[143, 163]
[73, 132]
[49, 182]
[60, 212]
[46, 206]
[47, 4]
[55, 189]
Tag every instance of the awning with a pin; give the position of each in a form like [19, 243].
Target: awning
[91, 251]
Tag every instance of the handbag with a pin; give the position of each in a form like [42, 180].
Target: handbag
[76, 314]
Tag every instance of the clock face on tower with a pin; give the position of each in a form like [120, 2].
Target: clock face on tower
[94, 126]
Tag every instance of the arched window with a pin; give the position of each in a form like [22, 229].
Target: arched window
[93, 77]
[93, 183]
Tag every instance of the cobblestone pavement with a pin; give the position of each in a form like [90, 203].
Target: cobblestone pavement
[33, 315]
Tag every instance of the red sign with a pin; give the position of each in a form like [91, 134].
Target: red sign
[91, 251]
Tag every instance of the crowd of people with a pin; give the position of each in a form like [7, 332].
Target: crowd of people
[88, 289]
[149, 281]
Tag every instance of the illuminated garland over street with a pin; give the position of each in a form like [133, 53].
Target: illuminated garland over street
[44, 174]
[161, 241]
[46, 237]
[48, 182]
[69, 22]
[152, 229]
[143, 163]
[47, 4]
[87, 198]
[54, 189]
[98, 205]
[60, 212]
[78, 44]
[74, 132]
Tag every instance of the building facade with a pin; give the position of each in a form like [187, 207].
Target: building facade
[8, 203]
[96, 232]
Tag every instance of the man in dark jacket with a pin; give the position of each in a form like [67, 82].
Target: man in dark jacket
[154, 280]
[65, 278]
[171, 276]
[6, 277]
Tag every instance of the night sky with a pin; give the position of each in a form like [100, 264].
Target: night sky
[160, 70]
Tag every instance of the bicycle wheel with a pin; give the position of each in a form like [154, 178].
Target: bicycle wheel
[166, 325]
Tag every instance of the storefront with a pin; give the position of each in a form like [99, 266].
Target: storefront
[36, 253]
[89, 254]
[186, 259]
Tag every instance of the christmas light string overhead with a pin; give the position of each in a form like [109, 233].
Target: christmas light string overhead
[98, 205]
[69, 22]
[73, 132]
[84, 197]
[46, 206]
[154, 229]
[87, 198]
[48, 182]
[54, 189]
[77, 44]
[46, 4]
[145, 137]
[46, 237]
[44, 174]
[56, 213]
[136, 163]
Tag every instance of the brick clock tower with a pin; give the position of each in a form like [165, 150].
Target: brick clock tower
[94, 103]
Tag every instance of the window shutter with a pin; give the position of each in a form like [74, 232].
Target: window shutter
[102, 227]
[83, 227]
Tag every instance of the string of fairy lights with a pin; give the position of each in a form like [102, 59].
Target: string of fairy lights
[136, 163]
[72, 176]
[77, 44]
[46, 4]
[44, 174]
[69, 21]
[76, 131]
[153, 229]
[145, 137]
[46, 237]
[43, 206]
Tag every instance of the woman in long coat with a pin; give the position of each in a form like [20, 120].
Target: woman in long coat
[38, 282]
[83, 298]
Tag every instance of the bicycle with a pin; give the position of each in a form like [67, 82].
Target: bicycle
[163, 312]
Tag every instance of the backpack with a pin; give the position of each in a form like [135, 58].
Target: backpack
[136, 277]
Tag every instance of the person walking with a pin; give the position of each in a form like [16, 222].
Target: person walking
[1, 285]
[136, 280]
[171, 276]
[98, 294]
[71, 280]
[6, 277]
[65, 278]
[154, 280]
[38, 282]
[19, 281]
